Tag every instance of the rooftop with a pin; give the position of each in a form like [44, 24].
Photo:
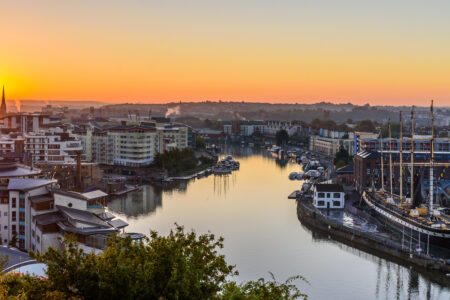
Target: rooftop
[26, 184]
[83, 196]
[82, 216]
[9, 169]
[329, 188]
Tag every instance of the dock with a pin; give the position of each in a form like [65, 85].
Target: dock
[294, 195]
[379, 244]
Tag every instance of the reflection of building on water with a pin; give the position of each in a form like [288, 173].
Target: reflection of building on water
[418, 283]
[139, 202]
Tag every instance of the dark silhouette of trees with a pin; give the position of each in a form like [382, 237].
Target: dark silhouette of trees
[282, 137]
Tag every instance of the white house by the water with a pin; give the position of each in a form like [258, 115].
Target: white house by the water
[329, 196]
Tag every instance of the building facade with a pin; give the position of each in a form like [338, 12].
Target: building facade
[51, 146]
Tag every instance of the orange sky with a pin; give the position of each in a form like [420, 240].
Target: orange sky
[284, 51]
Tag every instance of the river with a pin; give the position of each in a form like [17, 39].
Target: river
[250, 209]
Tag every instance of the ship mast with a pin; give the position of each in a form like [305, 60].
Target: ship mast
[390, 157]
[412, 155]
[401, 158]
[431, 160]
[382, 159]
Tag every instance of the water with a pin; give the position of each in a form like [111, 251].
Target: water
[262, 233]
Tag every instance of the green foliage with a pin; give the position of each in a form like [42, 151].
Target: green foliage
[342, 158]
[176, 161]
[262, 289]
[282, 137]
[14, 240]
[365, 126]
[395, 130]
[181, 265]
[199, 142]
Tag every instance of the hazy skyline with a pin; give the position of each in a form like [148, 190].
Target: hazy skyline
[377, 52]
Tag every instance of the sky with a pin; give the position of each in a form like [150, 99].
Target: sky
[286, 51]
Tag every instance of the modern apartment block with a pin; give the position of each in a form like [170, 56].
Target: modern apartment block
[131, 145]
[36, 213]
[29, 122]
[51, 146]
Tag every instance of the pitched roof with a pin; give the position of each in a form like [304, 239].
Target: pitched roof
[26, 184]
[82, 216]
[368, 154]
[49, 218]
[348, 169]
[329, 188]
[82, 196]
[118, 223]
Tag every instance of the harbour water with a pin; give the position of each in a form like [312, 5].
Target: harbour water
[262, 232]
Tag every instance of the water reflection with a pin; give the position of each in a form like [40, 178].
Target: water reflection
[390, 275]
[137, 203]
[250, 209]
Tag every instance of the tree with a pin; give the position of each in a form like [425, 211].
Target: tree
[365, 126]
[14, 240]
[181, 265]
[342, 158]
[395, 130]
[282, 137]
[199, 142]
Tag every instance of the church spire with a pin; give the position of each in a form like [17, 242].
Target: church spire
[3, 106]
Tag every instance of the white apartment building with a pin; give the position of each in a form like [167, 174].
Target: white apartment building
[29, 122]
[272, 127]
[52, 146]
[133, 145]
[329, 146]
[38, 213]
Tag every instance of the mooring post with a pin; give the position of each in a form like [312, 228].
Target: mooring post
[403, 234]
[410, 241]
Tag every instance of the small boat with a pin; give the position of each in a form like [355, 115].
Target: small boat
[293, 176]
[300, 176]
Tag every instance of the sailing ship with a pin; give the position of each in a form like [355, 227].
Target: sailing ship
[420, 217]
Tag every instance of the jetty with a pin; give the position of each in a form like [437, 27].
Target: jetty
[380, 242]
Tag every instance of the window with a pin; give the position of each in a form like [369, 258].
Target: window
[336, 203]
[13, 203]
[337, 195]
[321, 203]
[38, 239]
[21, 229]
[13, 216]
[328, 195]
[5, 213]
[13, 228]
[6, 227]
[22, 216]
[321, 195]
[32, 232]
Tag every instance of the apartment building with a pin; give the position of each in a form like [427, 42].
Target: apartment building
[329, 146]
[36, 213]
[51, 146]
[29, 122]
[131, 145]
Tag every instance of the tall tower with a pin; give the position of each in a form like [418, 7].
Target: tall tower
[3, 106]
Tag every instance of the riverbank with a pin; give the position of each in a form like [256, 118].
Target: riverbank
[390, 249]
